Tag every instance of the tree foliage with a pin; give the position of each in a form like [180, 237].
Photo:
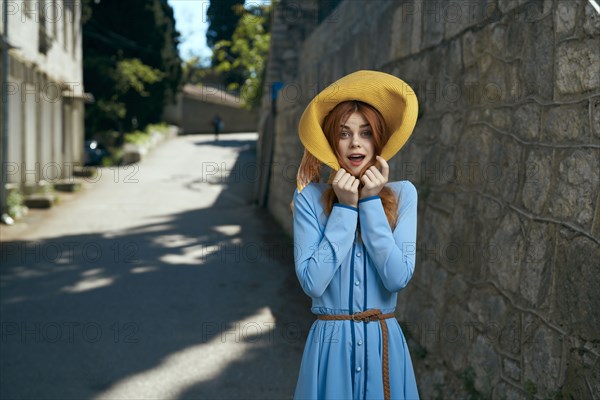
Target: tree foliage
[223, 17]
[131, 62]
[244, 57]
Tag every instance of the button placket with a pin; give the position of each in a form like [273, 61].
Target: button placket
[358, 289]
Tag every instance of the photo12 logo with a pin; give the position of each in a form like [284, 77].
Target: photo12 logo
[26, 332]
[41, 11]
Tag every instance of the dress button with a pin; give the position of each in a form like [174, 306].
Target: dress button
[360, 342]
[358, 369]
[357, 283]
[358, 254]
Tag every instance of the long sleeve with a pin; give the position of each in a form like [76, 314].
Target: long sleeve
[393, 253]
[318, 254]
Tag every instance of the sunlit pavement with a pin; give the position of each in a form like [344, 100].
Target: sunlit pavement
[158, 281]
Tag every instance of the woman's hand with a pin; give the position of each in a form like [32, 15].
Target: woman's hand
[374, 180]
[345, 187]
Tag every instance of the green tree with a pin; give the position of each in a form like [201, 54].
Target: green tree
[223, 17]
[131, 62]
[246, 54]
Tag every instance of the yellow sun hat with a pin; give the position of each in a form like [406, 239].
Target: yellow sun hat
[391, 96]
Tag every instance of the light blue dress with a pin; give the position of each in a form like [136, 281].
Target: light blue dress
[342, 275]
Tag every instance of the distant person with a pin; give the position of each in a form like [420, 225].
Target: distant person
[218, 125]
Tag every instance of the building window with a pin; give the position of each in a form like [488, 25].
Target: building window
[30, 8]
[72, 8]
[55, 17]
[44, 39]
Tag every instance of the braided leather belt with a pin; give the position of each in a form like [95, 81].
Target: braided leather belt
[367, 316]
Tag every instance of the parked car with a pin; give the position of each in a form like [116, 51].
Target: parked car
[94, 153]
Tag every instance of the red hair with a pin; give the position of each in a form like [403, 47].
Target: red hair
[310, 167]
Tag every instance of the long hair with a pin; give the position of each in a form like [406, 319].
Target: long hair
[310, 167]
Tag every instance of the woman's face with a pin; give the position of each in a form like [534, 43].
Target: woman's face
[356, 139]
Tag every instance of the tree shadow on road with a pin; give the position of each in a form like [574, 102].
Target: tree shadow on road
[179, 308]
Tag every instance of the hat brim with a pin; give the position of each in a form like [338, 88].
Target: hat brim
[391, 96]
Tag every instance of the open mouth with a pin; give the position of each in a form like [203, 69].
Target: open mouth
[356, 159]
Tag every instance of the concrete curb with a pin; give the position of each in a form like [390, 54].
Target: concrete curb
[133, 153]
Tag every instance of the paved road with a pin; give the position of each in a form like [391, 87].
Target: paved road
[160, 281]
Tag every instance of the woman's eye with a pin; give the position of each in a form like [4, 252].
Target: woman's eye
[366, 133]
[344, 133]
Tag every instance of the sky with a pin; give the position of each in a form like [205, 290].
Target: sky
[191, 22]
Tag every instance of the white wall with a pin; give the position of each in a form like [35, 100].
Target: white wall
[62, 62]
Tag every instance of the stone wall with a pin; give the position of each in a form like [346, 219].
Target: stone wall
[506, 158]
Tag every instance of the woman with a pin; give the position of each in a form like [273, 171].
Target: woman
[355, 239]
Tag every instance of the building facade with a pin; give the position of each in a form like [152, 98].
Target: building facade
[44, 92]
[196, 106]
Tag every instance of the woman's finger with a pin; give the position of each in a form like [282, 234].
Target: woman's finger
[338, 176]
[385, 167]
[366, 179]
[374, 174]
[343, 180]
[350, 180]
[379, 175]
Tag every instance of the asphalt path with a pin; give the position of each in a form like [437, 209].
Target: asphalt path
[160, 280]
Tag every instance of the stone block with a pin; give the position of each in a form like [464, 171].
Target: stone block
[457, 287]
[460, 15]
[505, 391]
[466, 251]
[511, 335]
[485, 362]
[451, 127]
[42, 201]
[453, 60]
[438, 285]
[497, 39]
[517, 32]
[581, 381]
[514, 87]
[505, 271]
[595, 115]
[474, 44]
[591, 20]
[456, 336]
[429, 330]
[489, 307]
[511, 368]
[84, 172]
[508, 5]
[537, 178]
[501, 172]
[542, 360]
[576, 283]
[567, 123]
[431, 384]
[537, 63]
[423, 272]
[433, 23]
[67, 186]
[473, 151]
[565, 17]
[576, 187]
[575, 66]
[416, 38]
[500, 118]
[527, 120]
[536, 267]
[405, 16]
